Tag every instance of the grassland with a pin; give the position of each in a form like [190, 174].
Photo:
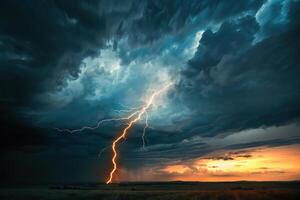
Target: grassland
[162, 191]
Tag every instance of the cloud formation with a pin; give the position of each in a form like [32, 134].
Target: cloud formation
[67, 64]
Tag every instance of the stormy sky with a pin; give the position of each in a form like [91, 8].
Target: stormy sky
[67, 64]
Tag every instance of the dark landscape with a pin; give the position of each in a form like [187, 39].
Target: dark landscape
[158, 190]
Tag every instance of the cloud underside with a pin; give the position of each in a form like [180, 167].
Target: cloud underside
[67, 64]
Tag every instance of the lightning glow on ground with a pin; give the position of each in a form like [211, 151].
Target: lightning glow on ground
[135, 117]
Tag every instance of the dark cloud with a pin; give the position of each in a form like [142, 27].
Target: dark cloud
[231, 156]
[293, 14]
[271, 143]
[163, 19]
[40, 45]
[43, 43]
[243, 85]
[243, 75]
[16, 134]
[232, 38]
[160, 18]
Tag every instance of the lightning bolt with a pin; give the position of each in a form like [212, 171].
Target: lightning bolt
[134, 117]
[127, 110]
[97, 125]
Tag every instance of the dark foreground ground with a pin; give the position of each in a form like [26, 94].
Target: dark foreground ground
[162, 191]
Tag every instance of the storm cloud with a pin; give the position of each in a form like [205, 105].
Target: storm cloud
[67, 64]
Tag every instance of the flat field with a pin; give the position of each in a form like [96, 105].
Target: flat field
[158, 190]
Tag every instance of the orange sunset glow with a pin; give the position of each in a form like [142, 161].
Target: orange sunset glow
[257, 164]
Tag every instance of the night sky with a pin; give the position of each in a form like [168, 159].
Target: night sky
[232, 113]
